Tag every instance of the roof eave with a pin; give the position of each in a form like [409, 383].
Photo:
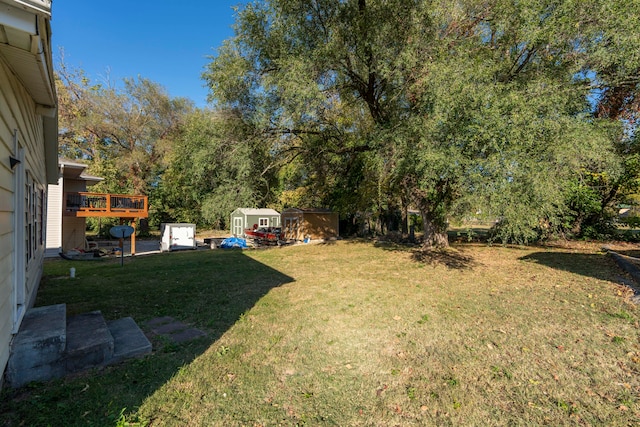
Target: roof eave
[42, 7]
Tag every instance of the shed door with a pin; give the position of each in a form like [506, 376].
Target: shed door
[291, 228]
[237, 229]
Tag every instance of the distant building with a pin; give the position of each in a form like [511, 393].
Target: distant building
[315, 224]
[66, 232]
[249, 218]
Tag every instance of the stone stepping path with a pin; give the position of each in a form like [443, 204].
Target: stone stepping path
[173, 329]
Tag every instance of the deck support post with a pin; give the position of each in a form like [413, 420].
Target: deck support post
[121, 240]
[133, 237]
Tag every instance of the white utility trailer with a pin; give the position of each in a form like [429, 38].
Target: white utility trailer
[177, 236]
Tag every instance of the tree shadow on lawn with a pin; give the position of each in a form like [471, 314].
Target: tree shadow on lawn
[210, 290]
[598, 266]
[455, 258]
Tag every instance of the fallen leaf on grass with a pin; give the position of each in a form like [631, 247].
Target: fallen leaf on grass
[381, 389]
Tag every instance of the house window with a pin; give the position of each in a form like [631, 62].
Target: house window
[33, 216]
[263, 222]
[28, 223]
[41, 216]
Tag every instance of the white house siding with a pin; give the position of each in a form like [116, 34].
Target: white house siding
[18, 113]
[54, 219]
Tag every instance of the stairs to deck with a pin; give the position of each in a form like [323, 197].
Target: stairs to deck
[50, 345]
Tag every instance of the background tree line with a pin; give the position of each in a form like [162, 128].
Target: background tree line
[525, 112]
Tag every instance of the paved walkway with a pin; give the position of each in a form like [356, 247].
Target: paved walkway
[143, 247]
[174, 330]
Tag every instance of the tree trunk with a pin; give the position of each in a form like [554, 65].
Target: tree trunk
[434, 205]
[435, 232]
[404, 226]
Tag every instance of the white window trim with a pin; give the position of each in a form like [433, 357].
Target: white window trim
[18, 298]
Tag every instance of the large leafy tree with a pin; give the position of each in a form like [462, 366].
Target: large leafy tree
[610, 45]
[303, 87]
[122, 131]
[499, 117]
[216, 164]
[449, 107]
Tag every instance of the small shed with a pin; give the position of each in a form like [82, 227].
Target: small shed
[249, 218]
[316, 224]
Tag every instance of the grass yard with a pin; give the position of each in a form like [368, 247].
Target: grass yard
[354, 334]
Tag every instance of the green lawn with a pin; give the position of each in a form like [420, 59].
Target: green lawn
[354, 334]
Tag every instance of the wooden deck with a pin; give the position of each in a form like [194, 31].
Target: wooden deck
[84, 204]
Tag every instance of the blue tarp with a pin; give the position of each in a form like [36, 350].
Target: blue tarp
[233, 242]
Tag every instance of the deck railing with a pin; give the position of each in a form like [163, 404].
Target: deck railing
[84, 204]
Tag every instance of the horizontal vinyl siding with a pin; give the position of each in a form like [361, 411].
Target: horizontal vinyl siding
[7, 124]
[6, 252]
[6, 227]
[6, 314]
[54, 220]
[6, 200]
[6, 311]
[34, 275]
[17, 112]
[31, 136]
[6, 174]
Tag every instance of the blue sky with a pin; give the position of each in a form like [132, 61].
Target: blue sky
[165, 41]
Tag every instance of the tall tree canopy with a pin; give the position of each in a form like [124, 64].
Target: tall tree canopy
[122, 131]
[215, 165]
[450, 107]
